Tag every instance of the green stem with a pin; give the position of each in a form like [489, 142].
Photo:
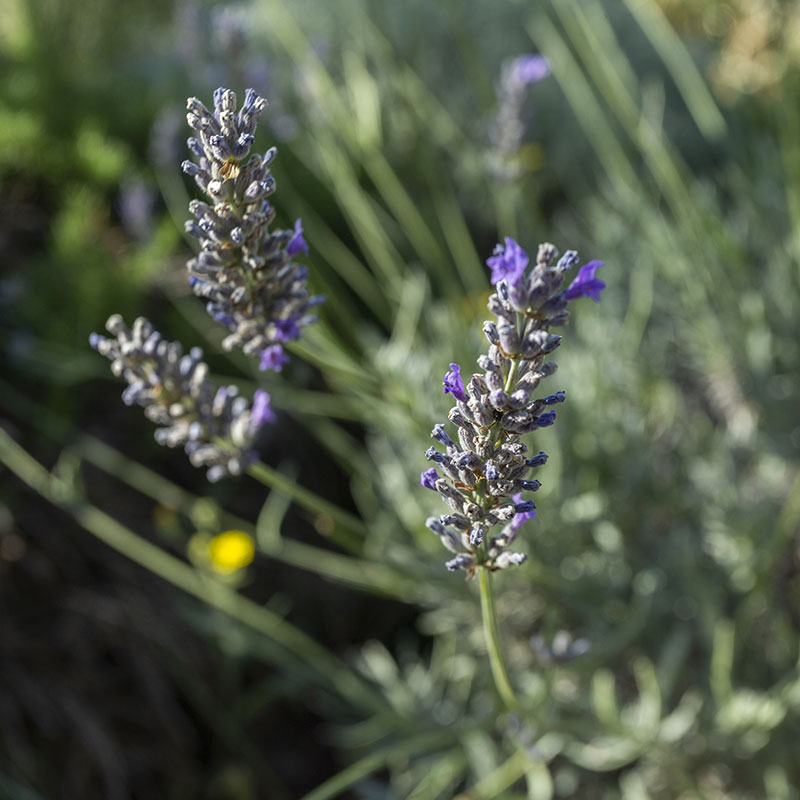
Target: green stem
[334, 786]
[365, 575]
[522, 327]
[496, 431]
[496, 659]
[512, 375]
[312, 502]
[360, 574]
[521, 763]
[505, 776]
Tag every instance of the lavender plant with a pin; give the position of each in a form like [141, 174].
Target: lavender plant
[215, 425]
[484, 472]
[246, 272]
[253, 286]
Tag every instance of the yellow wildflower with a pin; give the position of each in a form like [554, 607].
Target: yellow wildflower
[230, 550]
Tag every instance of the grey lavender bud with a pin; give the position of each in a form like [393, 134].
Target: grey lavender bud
[461, 561]
[490, 331]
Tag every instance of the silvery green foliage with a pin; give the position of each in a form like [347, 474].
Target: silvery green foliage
[215, 426]
[245, 271]
[485, 470]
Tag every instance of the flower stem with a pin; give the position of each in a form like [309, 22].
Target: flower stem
[522, 327]
[498, 664]
[348, 530]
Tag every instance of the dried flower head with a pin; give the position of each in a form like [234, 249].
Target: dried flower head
[215, 426]
[484, 472]
[246, 272]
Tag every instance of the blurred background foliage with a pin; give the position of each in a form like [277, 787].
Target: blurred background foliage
[343, 660]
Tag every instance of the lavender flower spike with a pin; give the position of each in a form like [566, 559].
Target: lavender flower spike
[245, 271]
[215, 426]
[508, 158]
[485, 467]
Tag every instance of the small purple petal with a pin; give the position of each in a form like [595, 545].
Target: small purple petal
[538, 460]
[521, 517]
[428, 478]
[432, 454]
[297, 244]
[287, 330]
[440, 434]
[556, 397]
[261, 411]
[453, 383]
[585, 284]
[528, 69]
[546, 419]
[223, 318]
[508, 263]
[273, 357]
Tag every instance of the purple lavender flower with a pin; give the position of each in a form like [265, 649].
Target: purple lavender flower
[546, 419]
[297, 244]
[274, 358]
[528, 69]
[214, 424]
[223, 318]
[520, 518]
[428, 478]
[440, 434]
[261, 411]
[508, 160]
[484, 468]
[556, 397]
[286, 330]
[540, 459]
[585, 284]
[244, 270]
[453, 384]
[508, 263]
